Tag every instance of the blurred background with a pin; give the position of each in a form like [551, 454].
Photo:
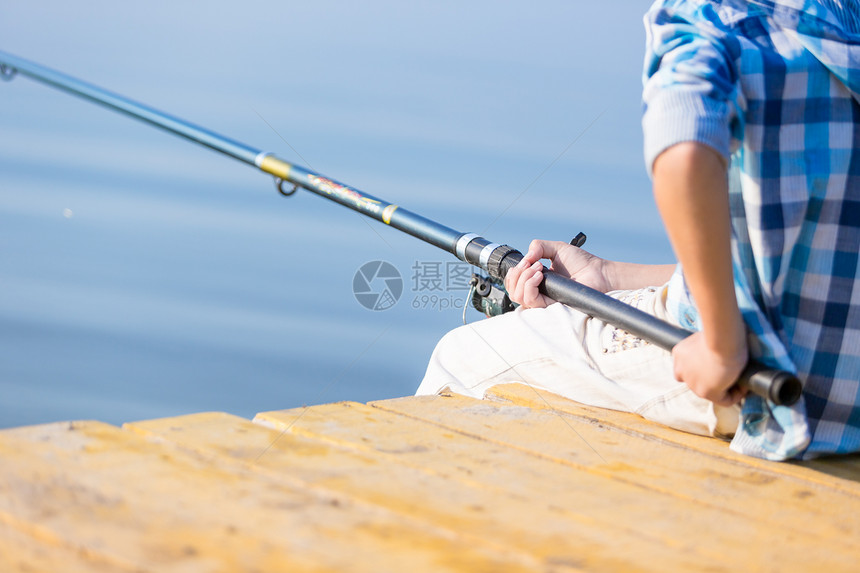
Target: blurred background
[143, 276]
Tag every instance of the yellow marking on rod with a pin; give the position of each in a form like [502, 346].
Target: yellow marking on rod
[387, 212]
[277, 167]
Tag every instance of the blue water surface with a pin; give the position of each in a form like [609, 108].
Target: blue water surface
[142, 276]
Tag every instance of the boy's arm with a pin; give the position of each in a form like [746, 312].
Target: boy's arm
[691, 190]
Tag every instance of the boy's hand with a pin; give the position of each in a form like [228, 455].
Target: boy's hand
[522, 281]
[709, 372]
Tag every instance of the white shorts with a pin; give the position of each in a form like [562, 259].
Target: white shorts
[566, 352]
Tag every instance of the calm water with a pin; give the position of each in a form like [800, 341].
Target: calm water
[142, 276]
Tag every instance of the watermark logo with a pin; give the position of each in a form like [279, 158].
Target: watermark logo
[430, 276]
[435, 285]
[377, 285]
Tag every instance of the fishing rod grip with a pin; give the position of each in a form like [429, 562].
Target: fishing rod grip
[778, 386]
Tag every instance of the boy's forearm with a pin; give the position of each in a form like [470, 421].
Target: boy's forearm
[691, 190]
[627, 276]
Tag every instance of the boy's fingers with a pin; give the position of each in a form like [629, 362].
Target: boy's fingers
[531, 296]
[540, 249]
[513, 275]
[522, 287]
[536, 251]
[528, 287]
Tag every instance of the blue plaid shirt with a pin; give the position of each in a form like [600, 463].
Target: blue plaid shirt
[773, 86]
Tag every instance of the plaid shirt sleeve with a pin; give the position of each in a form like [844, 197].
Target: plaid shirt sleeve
[690, 87]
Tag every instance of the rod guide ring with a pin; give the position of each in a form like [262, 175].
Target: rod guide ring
[279, 184]
[7, 72]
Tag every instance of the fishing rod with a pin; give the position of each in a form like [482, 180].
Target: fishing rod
[496, 259]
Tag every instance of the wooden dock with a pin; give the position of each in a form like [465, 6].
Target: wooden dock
[519, 482]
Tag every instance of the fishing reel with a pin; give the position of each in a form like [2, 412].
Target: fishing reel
[488, 296]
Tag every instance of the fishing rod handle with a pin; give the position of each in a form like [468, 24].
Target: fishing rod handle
[778, 386]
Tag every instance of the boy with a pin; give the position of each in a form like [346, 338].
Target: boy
[752, 139]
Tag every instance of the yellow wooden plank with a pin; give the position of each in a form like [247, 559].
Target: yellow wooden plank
[766, 499]
[843, 467]
[480, 516]
[654, 454]
[673, 524]
[841, 472]
[712, 483]
[97, 489]
[21, 552]
[313, 465]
